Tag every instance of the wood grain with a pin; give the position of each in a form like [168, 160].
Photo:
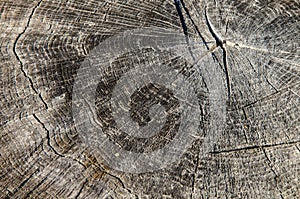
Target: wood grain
[43, 44]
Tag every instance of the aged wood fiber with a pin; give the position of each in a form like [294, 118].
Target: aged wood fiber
[42, 45]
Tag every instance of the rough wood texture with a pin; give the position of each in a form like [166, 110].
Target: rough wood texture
[43, 44]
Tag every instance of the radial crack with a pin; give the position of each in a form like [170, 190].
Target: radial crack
[120, 181]
[271, 168]
[183, 24]
[255, 147]
[189, 16]
[185, 31]
[220, 42]
[36, 187]
[18, 58]
[24, 182]
[50, 145]
[48, 135]
[261, 99]
[79, 192]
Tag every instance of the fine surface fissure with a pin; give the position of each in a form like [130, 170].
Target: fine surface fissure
[256, 147]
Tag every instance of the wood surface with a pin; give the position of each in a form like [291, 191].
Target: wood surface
[254, 46]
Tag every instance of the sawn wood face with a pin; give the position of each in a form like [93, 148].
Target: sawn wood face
[247, 53]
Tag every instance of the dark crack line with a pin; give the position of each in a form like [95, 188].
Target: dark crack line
[226, 28]
[27, 179]
[220, 42]
[121, 182]
[36, 187]
[183, 24]
[218, 39]
[267, 80]
[50, 145]
[185, 31]
[83, 185]
[194, 24]
[18, 58]
[255, 147]
[52, 148]
[48, 135]
[184, 27]
[24, 183]
[273, 171]
[79, 162]
[226, 69]
[263, 98]
[109, 174]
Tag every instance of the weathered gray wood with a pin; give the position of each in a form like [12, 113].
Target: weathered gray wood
[42, 45]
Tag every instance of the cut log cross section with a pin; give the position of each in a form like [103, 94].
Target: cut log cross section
[149, 99]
